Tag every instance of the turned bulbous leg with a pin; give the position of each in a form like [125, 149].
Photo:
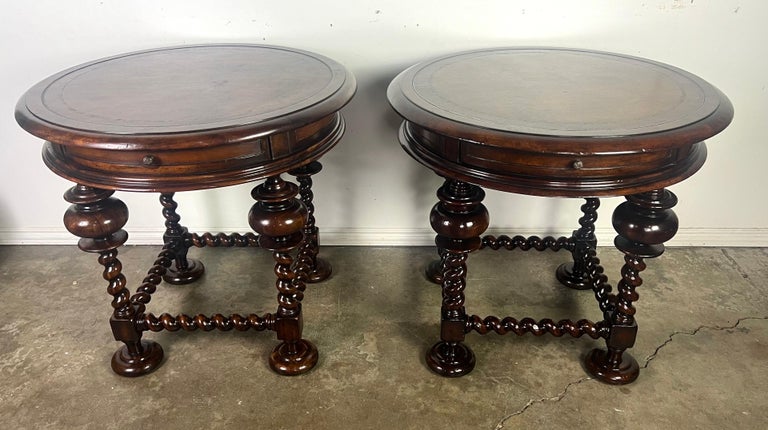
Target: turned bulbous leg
[320, 269]
[574, 275]
[184, 270]
[279, 218]
[644, 222]
[98, 219]
[458, 219]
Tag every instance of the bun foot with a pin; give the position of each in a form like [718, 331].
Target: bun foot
[293, 358]
[126, 364]
[566, 277]
[451, 359]
[434, 272]
[322, 271]
[193, 272]
[605, 370]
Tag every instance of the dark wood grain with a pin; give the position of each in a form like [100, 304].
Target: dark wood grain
[557, 122]
[551, 96]
[188, 118]
[198, 90]
[554, 122]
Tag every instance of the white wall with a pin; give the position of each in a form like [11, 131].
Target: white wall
[371, 192]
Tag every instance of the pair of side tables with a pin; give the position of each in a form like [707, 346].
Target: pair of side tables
[536, 121]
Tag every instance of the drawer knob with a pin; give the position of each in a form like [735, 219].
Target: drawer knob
[578, 164]
[150, 160]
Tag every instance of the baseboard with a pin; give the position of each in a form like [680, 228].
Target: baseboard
[705, 237]
[686, 237]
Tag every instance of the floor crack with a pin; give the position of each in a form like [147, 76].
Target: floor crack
[532, 402]
[693, 333]
[736, 265]
[648, 360]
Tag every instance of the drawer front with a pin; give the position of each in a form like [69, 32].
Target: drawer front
[576, 173]
[207, 166]
[578, 165]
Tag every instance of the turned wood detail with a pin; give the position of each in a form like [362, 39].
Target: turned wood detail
[138, 121]
[176, 237]
[166, 321]
[203, 322]
[185, 322]
[152, 280]
[434, 269]
[588, 124]
[598, 282]
[98, 219]
[180, 237]
[587, 222]
[643, 223]
[279, 218]
[320, 269]
[574, 275]
[459, 218]
[595, 330]
[527, 243]
[224, 240]
[600, 285]
[304, 176]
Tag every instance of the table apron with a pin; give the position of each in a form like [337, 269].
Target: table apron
[579, 173]
[198, 168]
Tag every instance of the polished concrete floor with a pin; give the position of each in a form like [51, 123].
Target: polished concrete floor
[702, 346]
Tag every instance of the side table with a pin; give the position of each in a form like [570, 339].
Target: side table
[558, 123]
[190, 118]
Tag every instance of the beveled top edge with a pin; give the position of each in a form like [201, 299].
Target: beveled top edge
[712, 117]
[32, 115]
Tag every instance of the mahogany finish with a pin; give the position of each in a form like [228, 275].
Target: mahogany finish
[559, 123]
[188, 118]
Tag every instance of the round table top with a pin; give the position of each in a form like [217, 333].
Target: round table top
[188, 96]
[549, 99]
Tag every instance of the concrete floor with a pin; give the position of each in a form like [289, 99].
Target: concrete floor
[702, 346]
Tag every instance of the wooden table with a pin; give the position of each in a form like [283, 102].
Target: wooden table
[189, 118]
[559, 123]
